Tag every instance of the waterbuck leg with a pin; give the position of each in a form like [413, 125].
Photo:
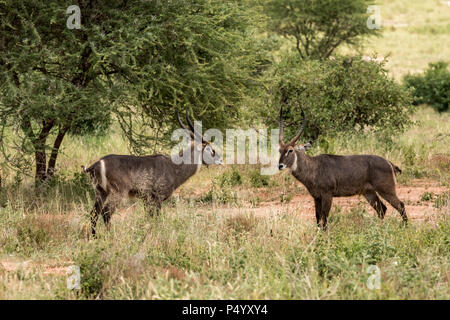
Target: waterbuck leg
[100, 199]
[325, 206]
[106, 213]
[152, 205]
[318, 207]
[157, 208]
[376, 203]
[397, 204]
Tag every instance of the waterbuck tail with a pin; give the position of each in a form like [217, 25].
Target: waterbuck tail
[98, 173]
[89, 170]
[397, 170]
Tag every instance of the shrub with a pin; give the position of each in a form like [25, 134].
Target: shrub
[230, 178]
[92, 263]
[220, 195]
[432, 87]
[340, 95]
[257, 180]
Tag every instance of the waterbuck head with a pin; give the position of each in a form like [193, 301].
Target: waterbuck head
[209, 155]
[288, 151]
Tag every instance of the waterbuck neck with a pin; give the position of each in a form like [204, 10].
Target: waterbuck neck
[305, 168]
[186, 170]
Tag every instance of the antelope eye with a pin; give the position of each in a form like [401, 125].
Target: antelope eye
[289, 151]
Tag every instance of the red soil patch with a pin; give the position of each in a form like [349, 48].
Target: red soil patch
[49, 268]
[302, 204]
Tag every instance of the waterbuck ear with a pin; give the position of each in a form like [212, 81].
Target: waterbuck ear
[307, 145]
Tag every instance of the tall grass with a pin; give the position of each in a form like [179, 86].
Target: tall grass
[187, 255]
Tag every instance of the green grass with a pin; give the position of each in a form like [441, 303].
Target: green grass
[421, 35]
[188, 255]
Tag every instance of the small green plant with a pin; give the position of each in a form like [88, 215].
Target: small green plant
[257, 180]
[230, 178]
[426, 196]
[219, 195]
[442, 200]
[92, 262]
[409, 155]
[285, 198]
[31, 237]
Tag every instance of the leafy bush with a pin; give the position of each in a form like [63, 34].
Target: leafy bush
[432, 87]
[257, 180]
[344, 94]
[220, 195]
[230, 178]
[92, 263]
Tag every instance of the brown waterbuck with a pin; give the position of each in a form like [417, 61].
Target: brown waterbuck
[327, 176]
[151, 178]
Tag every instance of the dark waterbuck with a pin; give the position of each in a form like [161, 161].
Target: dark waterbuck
[327, 176]
[151, 178]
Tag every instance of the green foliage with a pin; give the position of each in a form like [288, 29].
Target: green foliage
[320, 26]
[92, 262]
[338, 96]
[31, 237]
[432, 87]
[220, 195]
[230, 178]
[409, 155]
[426, 196]
[221, 190]
[257, 180]
[442, 200]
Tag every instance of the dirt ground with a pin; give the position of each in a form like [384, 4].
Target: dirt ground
[303, 204]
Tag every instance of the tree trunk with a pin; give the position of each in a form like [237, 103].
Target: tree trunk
[39, 151]
[56, 145]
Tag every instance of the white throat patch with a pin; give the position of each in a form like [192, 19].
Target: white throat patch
[294, 165]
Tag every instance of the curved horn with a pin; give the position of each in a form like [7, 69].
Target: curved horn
[182, 125]
[191, 125]
[281, 127]
[188, 119]
[294, 140]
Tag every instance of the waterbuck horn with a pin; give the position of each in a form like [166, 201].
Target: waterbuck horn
[183, 126]
[191, 125]
[281, 127]
[294, 140]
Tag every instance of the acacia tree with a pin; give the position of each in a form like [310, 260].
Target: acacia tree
[135, 60]
[338, 96]
[320, 26]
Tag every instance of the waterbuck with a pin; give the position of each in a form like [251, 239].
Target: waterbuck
[327, 176]
[151, 178]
